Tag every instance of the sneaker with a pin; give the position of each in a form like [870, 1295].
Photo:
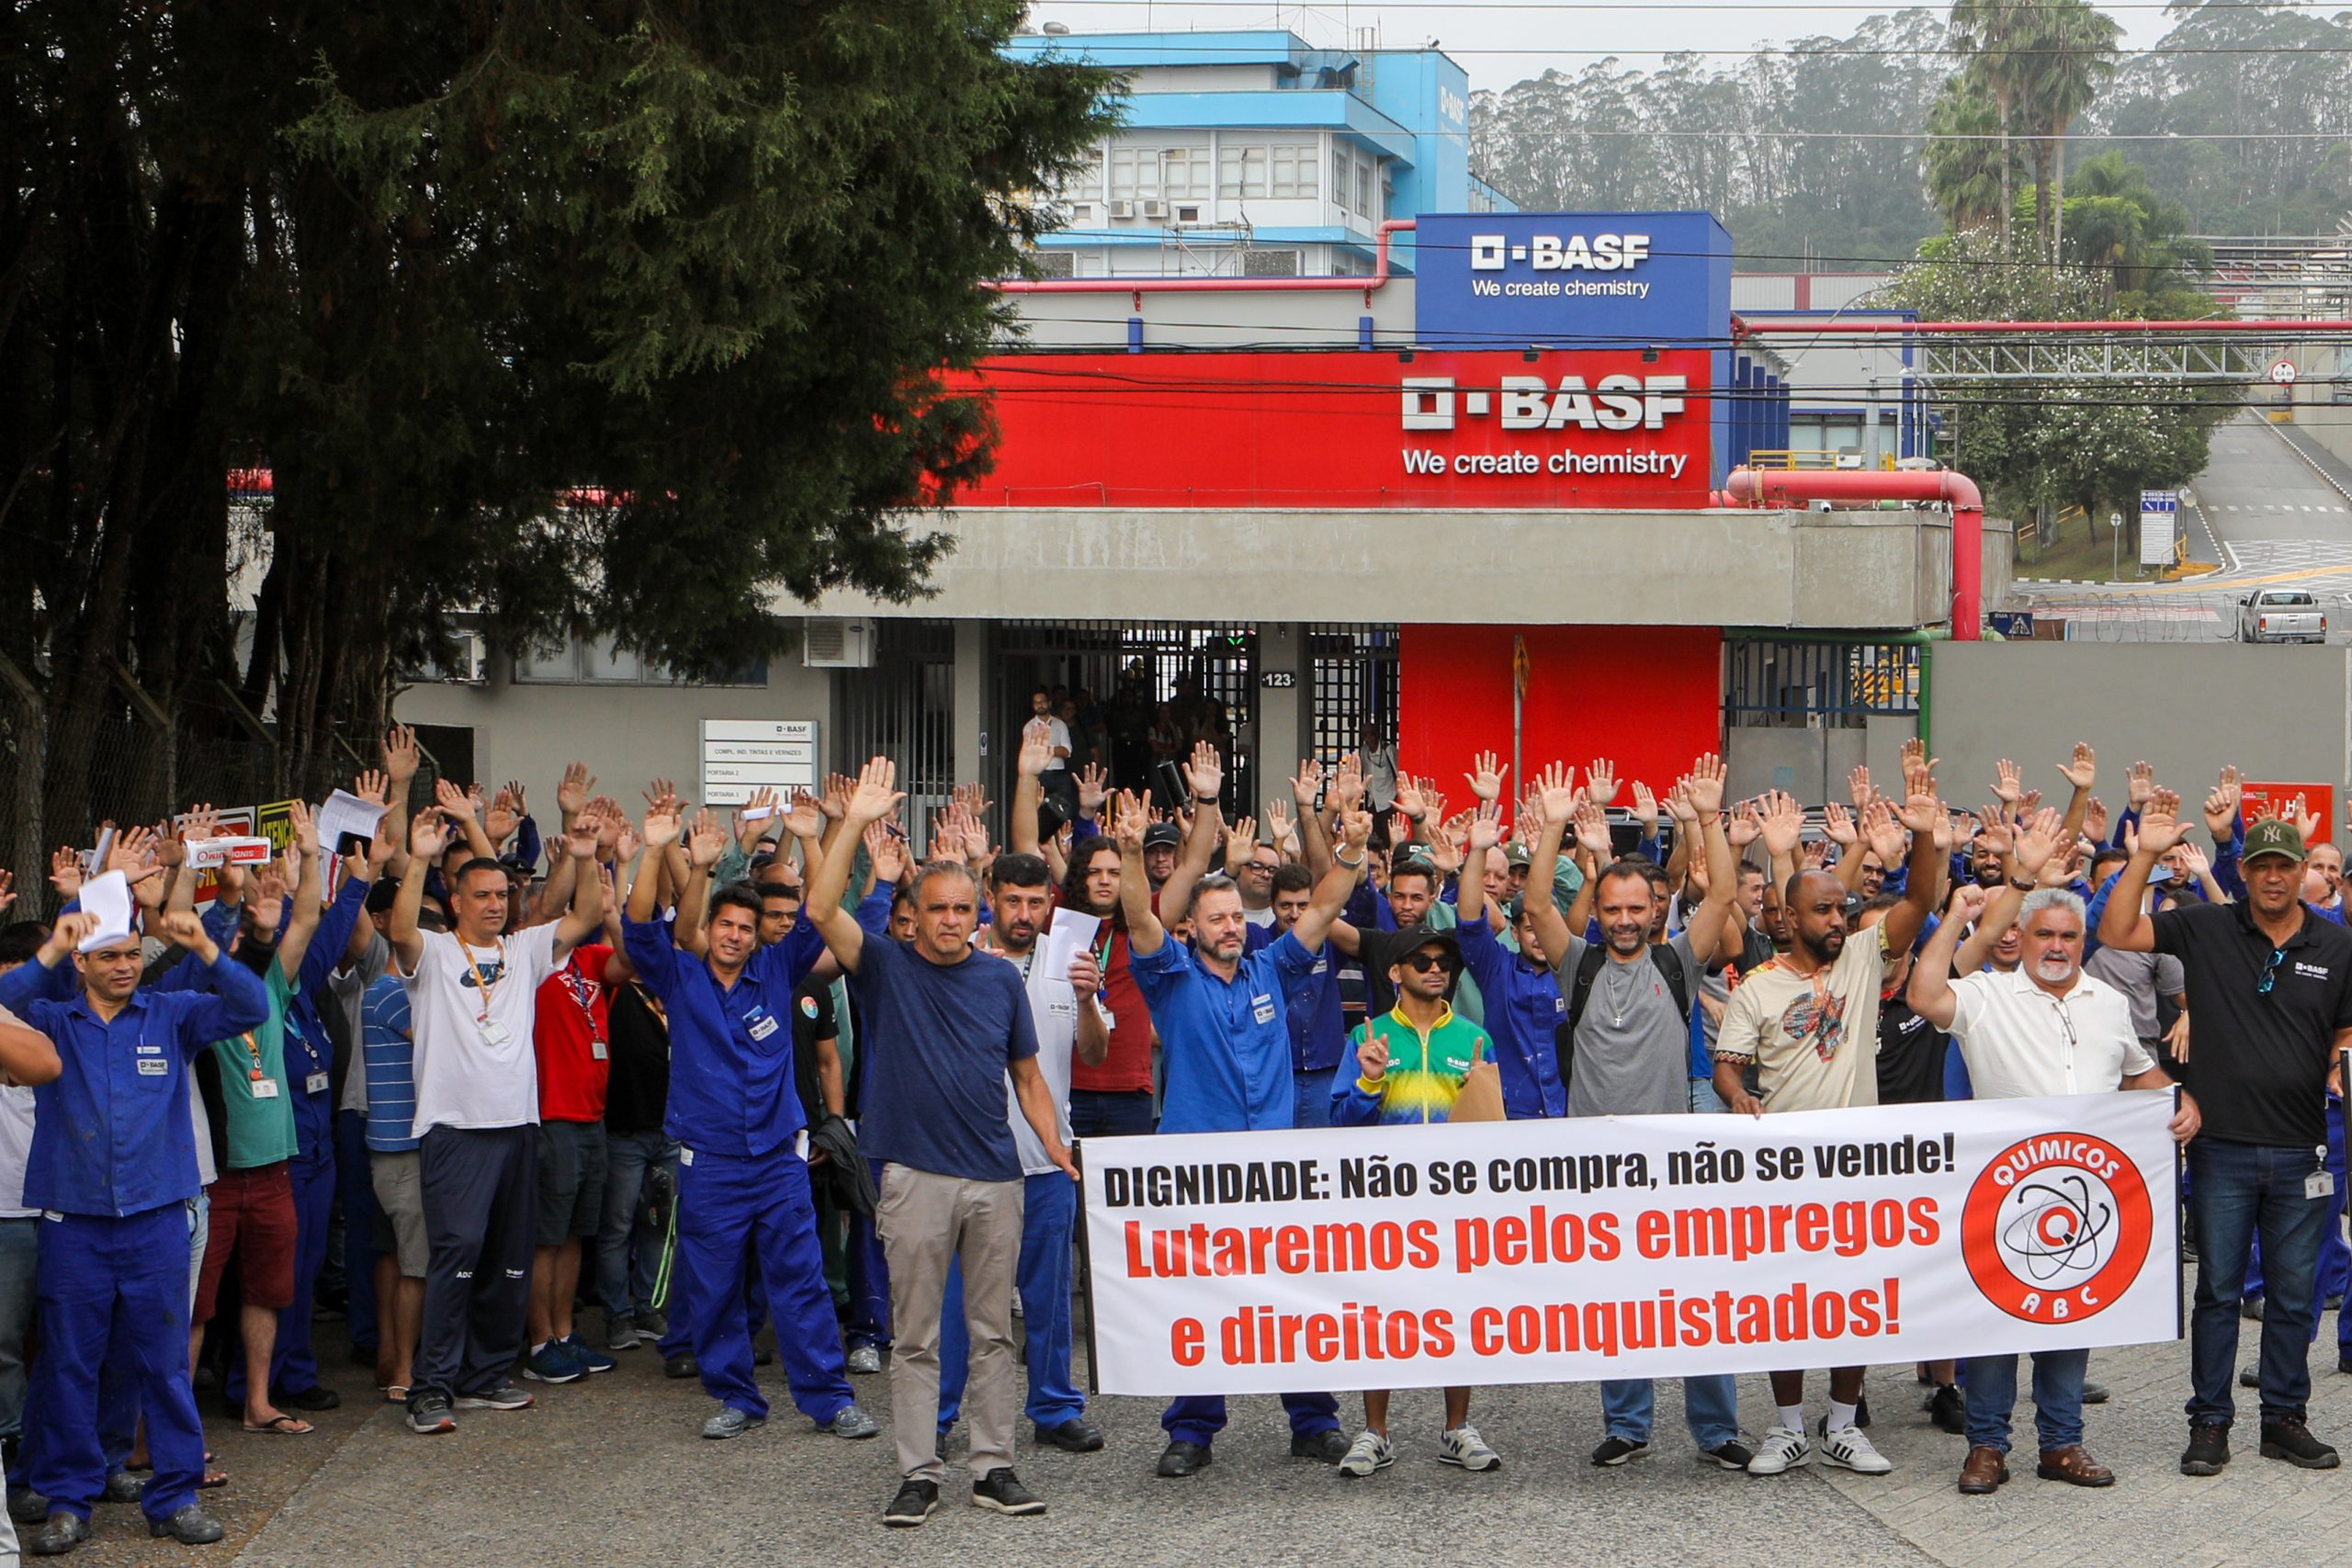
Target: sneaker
[1369, 1452]
[590, 1360]
[2251, 1307]
[1615, 1450]
[503, 1396]
[865, 1360]
[190, 1527]
[1782, 1449]
[1852, 1450]
[999, 1491]
[1946, 1411]
[851, 1423]
[553, 1362]
[2095, 1392]
[1463, 1446]
[2290, 1439]
[620, 1334]
[2250, 1375]
[730, 1423]
[1732, 1454]
[428, 1414]
[1328, 1447]
[913, 1504]
[2208, 1449]
[651, 1326]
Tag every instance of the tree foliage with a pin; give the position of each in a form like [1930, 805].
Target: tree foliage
[436, 264]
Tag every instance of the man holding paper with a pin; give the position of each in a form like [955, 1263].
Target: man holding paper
[1060, 977]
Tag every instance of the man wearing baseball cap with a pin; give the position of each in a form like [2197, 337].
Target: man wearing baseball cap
[2270, 1007]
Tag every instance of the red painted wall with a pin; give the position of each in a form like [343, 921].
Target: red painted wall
[1648, 697]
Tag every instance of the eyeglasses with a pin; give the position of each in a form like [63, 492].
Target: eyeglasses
[2270, 971]
[1423, 962]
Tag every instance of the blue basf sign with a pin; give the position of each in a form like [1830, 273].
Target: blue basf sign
[1580, 280]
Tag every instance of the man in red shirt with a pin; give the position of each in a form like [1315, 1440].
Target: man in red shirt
[575, 1061]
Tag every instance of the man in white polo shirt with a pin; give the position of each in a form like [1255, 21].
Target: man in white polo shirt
[2044, 1028]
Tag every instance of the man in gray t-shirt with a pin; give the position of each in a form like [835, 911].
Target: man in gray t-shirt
[1629, 1054]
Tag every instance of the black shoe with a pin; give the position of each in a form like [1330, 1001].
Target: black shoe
[27, 1506]
[2208, 1449]
[316, 1397]
[2250, 1306]
[190, 1527]
[1180, 1458]
[1073, 1436]
[913, 1504]
[1330, 1447]
[123, 1487]
[1731, 1455]
[2333, 1304]
[428, 1414]
[1614, 1451]
[2290, 1439]
[681, 1365]
[1948, 1411]
[1001, 1491]
[763, 1356]
[2250, 1375]
[60, 1535]
[2095, 1392]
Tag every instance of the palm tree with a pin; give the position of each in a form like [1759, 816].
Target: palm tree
[1965, 169]
[1988, 31]
[2070, 55]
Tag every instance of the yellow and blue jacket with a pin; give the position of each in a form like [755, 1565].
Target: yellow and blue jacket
[1425, 1071]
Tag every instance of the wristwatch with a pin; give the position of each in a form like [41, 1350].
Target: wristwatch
[2027, 886]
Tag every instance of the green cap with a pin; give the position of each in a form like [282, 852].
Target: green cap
[1516, 855]
[2274, 836]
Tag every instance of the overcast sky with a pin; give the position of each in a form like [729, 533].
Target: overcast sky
[1502, 41]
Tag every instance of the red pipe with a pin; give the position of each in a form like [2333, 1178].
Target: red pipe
[1752, 486]
[1743, 328]
[1140, 285]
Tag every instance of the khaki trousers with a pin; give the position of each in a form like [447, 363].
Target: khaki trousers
[925, 1219]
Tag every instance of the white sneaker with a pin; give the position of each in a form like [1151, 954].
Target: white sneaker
[1852, 1450]
[1463, 1446]
[866, 1361]
[1782, 1449]
[1369, 1452]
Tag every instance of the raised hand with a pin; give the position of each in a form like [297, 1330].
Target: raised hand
[1306, 784]
[1858, 787]
[580, 839]
[888, 853]
[1280, 831]
[1706, 780]
[1678, 806]
[182, 929]
[834, 802]
[2083, 770]
[2160, 828]
[1922, 807]
[572, 795]
[1485, 776]
[1839, 826]
[1408, 797]
[2139, 783]
[807, 817]
[1204, 772]
[1355, 831]
[428, 834]
[1592, 830]
[1036, 749]
[451, 797]
[2037, 840]
[374, 786]
[1346, 783]
[504, 815]
[1372, 1057]
[1093, 784]
[1645, 806]
[1881, 832]
[1783, 822]
[1486, 825]
[2007, 784]
[306, 828]
[1744, 826]
[2095, 820]
[1601, 781]
[2306, 821]
[875, 796]
[1967, 902]
[750, 828]
[704, 845]
[65, 872]
[664, 825]
[400, 755]
[2220, 814]
[1446, 839]
[1130, 821]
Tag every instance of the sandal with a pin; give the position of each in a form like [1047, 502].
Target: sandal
[282, 1424]
[212, 1478]
[396, 1393]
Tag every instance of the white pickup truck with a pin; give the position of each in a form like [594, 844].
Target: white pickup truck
[2281, 614]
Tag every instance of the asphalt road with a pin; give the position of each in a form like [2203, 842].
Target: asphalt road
[612, 1473]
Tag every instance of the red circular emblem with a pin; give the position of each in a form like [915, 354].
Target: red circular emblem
[2057, 1227]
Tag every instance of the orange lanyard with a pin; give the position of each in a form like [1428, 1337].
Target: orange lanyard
[253, 1049]
[482, 982]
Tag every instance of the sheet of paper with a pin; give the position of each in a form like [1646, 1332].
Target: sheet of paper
[108, 898]
[1071, 934]
[343, 813]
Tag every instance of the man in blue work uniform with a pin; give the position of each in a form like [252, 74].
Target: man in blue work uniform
[735, 1112]
[1318, 1024]
[1224, 1041]
[113, 1170]
[1524, 1008]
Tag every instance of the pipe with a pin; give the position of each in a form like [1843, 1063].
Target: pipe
[1141, 286]
[1754, 486]
[1741, 328]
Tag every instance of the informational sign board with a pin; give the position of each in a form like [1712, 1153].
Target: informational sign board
[2159, 527]
[741, 755]
[2289, 799]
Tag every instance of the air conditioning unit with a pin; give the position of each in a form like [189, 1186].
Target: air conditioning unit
[837, 642]
[1155, 210]
[1120, 208]
[1188, 214]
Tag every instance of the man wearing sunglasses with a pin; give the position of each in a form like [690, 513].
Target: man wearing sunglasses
[2270, 1007]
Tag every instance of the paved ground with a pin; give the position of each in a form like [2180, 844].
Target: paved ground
[2273, 506]
[613, 1473]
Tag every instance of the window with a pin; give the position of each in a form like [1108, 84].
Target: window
[1241, 171]
[1135, 171]
[1184, 172]
[1341, 180]
[1294, 171]
[1367, 170]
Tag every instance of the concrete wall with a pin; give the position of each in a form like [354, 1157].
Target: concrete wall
[626, 735]
[2279, 713]
[1269, 319]
[1808, 569]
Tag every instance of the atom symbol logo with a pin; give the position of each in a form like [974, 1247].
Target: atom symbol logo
[2056, 1227]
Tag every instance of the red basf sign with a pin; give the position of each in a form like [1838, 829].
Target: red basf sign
[1338, 429]
[2284, 799]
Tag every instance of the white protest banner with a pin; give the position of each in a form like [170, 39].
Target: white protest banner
[1565, 1251]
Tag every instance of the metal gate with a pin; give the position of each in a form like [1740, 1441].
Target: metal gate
[1206, 675]
[904, 708]
[1353, 682]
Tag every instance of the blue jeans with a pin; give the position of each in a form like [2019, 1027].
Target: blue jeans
[356, 1189]
[628, 1255]
[1103, 1113]
[2237, 1191]
[2335, 1260]
[1710, 1408]
[869, 1280]
[19, 1254]
[1049, 1209]
[1313, 1094]
[1992, 1383]
[1704, 1101]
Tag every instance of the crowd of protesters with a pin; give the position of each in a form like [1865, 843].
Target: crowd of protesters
[705, 1071]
